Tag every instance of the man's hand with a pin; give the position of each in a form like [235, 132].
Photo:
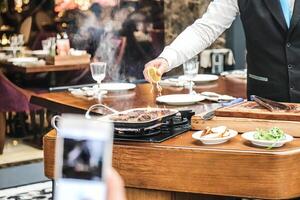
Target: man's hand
[160, 63]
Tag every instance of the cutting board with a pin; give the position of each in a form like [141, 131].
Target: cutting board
[246, 124]
[250, 109]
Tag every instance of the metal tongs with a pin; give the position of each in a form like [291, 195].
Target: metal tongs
[269, 104]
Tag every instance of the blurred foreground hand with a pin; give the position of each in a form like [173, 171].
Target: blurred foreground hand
[116, 188]
[160, 64]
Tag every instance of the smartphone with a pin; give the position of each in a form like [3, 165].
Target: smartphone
[83, 158]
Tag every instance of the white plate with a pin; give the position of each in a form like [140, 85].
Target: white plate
[117, 86]
[23, 60]
[197, 136]
[265, 143]
[201, 78]
[12, 48]
[180, 99]
[40, 52]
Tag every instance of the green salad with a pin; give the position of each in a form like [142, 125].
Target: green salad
[274, 134]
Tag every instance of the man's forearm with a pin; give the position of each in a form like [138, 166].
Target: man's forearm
[202, 33]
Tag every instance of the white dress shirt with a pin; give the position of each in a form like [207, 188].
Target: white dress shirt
[203, 32]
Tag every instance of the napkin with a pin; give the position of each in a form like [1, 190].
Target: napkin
[212, 96]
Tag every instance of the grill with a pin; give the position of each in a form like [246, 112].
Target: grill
[166, 129]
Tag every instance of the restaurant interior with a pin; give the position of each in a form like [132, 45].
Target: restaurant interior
[85, 114]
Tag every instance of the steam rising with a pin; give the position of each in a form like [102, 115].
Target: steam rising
[101, 38]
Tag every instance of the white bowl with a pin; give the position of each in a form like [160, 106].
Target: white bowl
[266, 143]
[211, 141]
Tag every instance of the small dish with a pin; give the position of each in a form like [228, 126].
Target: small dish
[212, 141]
[266, 143]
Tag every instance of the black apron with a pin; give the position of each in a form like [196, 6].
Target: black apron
[273, 50]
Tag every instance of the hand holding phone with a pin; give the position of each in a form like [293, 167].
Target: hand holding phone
[83, 158]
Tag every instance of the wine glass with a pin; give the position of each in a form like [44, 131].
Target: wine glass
[190, 69]
[98, 70]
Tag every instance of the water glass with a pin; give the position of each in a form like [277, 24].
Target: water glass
[98, 70]
[190, 69]
[14, 44]
[46, 45]
[21, 40]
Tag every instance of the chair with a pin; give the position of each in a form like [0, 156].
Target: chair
[13, 99]
[25, 29]
[42, 19]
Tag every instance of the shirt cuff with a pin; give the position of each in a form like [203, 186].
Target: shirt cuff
[171, 56]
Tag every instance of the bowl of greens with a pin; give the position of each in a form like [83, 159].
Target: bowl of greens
[273, 137]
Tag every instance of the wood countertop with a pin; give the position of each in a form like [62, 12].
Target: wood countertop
[141, 96]
[181, 164]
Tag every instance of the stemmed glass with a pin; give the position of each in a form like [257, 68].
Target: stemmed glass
[20, 40]
[98, 70]
[14, 44]
[190, 69]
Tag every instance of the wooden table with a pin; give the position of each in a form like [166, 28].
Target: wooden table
[11, 68]
[140, 97]
[182, 168]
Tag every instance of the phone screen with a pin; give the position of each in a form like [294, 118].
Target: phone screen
[82, 161]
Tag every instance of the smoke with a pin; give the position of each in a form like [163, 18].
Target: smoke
[100, 37]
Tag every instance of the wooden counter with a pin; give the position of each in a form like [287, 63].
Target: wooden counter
[182, 168]
[235, 168]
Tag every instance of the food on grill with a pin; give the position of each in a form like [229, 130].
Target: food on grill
[141, 115]
[217, 132]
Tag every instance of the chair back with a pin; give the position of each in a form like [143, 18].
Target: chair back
[13, 98]
[25, 29]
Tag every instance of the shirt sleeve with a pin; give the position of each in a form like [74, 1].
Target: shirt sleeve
[202, 33]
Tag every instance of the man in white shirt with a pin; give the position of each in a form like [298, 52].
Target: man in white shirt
[272, 32]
